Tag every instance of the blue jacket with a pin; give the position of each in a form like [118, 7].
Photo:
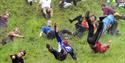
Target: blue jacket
[46, 29]
[67, 48]
[109, 20]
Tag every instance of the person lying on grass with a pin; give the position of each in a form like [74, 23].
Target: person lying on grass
[48, 30]
[64, 48]
[46, 8]
[81, 24]
[18, 58]
[4, 19]
[11, 36]
[93, 38]
[30, 2]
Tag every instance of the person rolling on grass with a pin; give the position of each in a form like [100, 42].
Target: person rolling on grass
[64, 48]
[67, 3]
[81, 24]
[93, 38]
[18, 58]
[48, 30]
[11, 36]
[4, 20]
[46, 8]
[30, 2]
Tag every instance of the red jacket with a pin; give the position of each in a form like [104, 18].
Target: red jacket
[85, 24]
[101, 48]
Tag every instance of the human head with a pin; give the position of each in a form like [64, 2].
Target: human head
[49, 23]
[16, 30]
[22, 53]
[103, 5]
[66, 40]
[93, 18]
[6, 14]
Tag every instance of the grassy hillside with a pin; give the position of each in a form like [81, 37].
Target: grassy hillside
[29, 20]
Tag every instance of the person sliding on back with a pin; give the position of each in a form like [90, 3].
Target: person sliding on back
[64, 48]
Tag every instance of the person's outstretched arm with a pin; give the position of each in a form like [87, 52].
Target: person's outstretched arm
[78, 18]
[57, 34]
[91, 27]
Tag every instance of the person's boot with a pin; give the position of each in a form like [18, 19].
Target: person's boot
[70, 21]
[49, 47]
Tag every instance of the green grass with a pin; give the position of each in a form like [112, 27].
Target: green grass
[28, 19]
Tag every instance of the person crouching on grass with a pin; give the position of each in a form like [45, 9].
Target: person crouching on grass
[64, 48]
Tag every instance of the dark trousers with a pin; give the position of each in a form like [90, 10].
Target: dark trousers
[51, 35]
[73, 55]
[59, 55]
[113, 29]
[93, 38]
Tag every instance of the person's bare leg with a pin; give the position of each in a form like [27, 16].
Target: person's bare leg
[51, 11]
[44, 12]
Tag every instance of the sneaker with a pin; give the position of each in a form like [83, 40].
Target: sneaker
[48, 46]
[70, 21]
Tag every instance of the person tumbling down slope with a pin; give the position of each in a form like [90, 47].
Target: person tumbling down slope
[48, 30]
[92, 38]
[64, 48]
[11, 36]
[18, 58]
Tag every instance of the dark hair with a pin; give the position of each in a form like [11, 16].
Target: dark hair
[24, 52]
[94, 16]
[103, 5]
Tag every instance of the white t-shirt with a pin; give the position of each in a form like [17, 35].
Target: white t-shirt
[29, 0]
[45, 3]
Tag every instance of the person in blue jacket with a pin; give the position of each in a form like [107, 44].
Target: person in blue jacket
[48, 30]
[64, 48]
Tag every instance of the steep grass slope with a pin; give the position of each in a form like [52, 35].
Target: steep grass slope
[29, 20]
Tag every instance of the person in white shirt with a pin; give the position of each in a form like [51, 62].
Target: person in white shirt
[46, 8]
[30, 2]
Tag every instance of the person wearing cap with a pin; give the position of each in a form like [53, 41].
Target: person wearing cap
[47, 30]
[46, 6]
[18, 58]
[11, 36]
[93, 38]
[64, 47]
